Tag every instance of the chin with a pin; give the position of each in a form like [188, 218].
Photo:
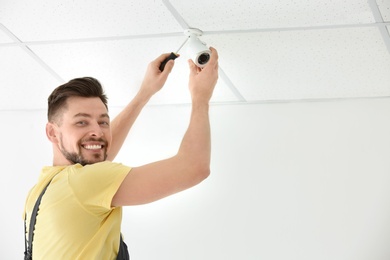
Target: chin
[98, 158]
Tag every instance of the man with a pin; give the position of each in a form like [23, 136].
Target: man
[80, 214]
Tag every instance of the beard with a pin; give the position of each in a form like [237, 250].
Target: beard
[77, 157]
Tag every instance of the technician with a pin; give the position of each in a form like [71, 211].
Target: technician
[80, 213]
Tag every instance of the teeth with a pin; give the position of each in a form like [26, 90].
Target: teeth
[93, 147]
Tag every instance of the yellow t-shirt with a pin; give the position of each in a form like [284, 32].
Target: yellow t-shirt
[75, 218]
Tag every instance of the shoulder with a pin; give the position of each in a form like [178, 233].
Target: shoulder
[102, 170]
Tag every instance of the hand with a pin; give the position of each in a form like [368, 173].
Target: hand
[155, 79]
[203, 81]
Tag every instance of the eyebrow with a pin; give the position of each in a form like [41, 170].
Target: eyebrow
[105, 115]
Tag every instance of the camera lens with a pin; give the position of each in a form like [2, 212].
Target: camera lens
[203, 58]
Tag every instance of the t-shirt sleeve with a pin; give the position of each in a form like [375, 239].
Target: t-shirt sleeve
[95, 185]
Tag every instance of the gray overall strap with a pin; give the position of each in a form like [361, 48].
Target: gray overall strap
[33, 220]
[123, 253]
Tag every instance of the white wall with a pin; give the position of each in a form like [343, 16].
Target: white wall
[289, 181]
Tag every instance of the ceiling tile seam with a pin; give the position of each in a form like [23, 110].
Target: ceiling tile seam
[228, 103]
[178, 34]
[9, 33]
[31, 53]
[385, 36]
[249, 102]
[97, 39]
[298, 101]
[176, 14]
[299, 28]
[376, 12]
[43, 64]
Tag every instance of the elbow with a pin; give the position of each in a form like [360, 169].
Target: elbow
[203, 172]
[196, 174]
[196, 169]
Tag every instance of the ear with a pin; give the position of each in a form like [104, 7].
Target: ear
[51, 132]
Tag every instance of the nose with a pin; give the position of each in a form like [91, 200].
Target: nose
[96, 130]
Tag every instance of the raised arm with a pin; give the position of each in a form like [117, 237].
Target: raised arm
[191, 164]
[153, 81]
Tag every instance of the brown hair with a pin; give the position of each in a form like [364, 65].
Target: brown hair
[79, 87]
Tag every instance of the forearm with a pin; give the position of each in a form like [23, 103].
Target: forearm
[195, 149]
[153, 81]
[122, 123]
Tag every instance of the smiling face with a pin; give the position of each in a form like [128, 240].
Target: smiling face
[82, 134]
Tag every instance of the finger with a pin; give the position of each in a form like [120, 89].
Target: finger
[171, 56]
[168, 67]
[157, 62]
[193, 67]
[214, 55]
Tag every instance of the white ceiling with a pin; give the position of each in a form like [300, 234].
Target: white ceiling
[273, 50]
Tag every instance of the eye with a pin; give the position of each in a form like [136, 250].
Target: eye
[104, 123]
[82, 123]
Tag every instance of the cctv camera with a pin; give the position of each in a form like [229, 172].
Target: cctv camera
[196, 49]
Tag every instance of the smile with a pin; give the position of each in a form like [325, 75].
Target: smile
[93, 146]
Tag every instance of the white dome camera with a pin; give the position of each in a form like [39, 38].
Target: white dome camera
[196, 49]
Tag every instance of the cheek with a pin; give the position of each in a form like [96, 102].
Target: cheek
[108, 137]
[69, 141]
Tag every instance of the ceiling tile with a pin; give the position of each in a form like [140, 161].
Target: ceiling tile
[121, 64]
[82, 38]
[24, 83]
[67, 19]
[252, 14]
[310, 64]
